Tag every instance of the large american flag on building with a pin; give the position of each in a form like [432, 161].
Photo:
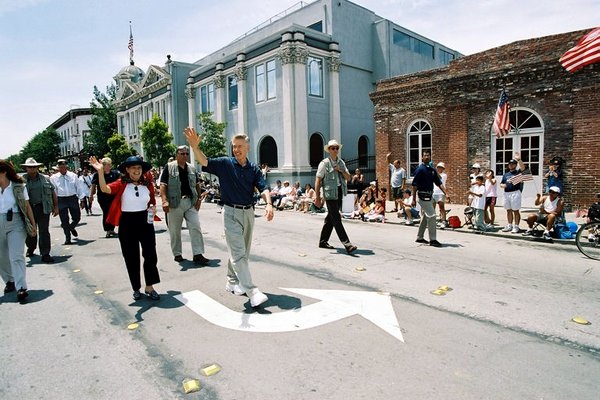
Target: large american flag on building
[586, 52]
[501, 120]
[130, 45]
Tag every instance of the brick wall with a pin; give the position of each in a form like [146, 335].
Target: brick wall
[459, 101]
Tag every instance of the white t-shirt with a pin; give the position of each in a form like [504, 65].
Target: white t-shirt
[8, 200]
[397, 175]
[132, 203]
[478, 201]
[436, 188]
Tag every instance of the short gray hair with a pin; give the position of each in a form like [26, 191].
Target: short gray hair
[106, 161]
[182, 147]
[240, 136]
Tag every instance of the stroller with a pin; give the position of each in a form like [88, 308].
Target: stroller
[469, 217]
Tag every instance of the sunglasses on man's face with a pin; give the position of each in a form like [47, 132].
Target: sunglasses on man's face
[334, 148]
[183, 154]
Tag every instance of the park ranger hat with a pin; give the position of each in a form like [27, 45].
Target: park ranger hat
[30, 162]
[332, 142]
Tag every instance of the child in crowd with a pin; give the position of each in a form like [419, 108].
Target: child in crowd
[408, 210]
[439, 197]
[477, 193]
[377, 214]
[490, 197]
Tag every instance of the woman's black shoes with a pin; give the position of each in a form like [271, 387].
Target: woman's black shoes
[153, 295]
[137, 295]
[325, 245]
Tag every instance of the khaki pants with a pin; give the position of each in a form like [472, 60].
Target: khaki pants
[428, 220]
[190, 214]
[239, 225]
[12, 250]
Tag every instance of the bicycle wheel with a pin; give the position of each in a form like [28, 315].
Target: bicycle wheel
[588, 240]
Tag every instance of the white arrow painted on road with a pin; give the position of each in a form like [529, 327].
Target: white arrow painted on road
[334, 305]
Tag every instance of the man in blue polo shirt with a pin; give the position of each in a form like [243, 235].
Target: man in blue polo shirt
[512, 194]
[237, 177]
[422, 188]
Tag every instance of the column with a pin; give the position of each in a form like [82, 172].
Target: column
[240, 75]
[293, 54]
[335, 119]
[220, 97]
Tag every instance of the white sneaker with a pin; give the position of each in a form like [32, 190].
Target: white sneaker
[507, 228]
[547, 236]
[409, 222]
[235, 288]
[258, 298]
[515, 229]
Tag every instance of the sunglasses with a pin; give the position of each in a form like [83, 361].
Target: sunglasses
[184, 154]
[137, 192]
[333, 148]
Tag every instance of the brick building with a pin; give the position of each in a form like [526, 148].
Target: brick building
[450, 110]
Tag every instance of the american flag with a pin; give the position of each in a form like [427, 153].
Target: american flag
[521, 177]
[586, 52]
[130, 45]
[501, 120]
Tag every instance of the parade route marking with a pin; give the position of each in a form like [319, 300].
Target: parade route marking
[334, 305]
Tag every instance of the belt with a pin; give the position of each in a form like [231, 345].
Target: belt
[241, 207]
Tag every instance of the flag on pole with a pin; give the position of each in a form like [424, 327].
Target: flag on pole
[501, 120]
[586, 52]
[521, 177]
[130, 45]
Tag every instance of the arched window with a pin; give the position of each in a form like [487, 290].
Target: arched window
[363, 152]
[316, 149]
[419, 140]
[267, 152]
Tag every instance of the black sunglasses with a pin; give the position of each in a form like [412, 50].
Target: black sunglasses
[184, 154]
[137, 192]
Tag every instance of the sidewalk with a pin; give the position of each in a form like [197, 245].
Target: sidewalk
[499, 223]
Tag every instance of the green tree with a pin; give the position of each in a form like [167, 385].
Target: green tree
[44, 147]
[103, 122]
[157, 141]
[118, 149]
[213, 139]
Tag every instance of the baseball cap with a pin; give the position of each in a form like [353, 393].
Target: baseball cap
[554, 189]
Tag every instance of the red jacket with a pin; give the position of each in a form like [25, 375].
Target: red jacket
[116, 189]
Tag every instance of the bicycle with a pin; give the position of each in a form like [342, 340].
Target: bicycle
[588, 235]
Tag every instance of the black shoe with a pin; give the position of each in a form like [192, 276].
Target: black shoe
[137, 295]
[10, 287]
[325, 245]
[47, 258]
[22, 295]
[435, 243]
[421, 241]
[74, 232]
[179, 258]
[153, 295]
[30, 253]
[350, 248]
[108, 235]
[201, 260]
[68, 241]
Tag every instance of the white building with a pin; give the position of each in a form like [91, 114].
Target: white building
[73, 128]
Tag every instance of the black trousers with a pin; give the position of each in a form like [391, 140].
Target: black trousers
[105, 206]
[136, 232]
[334, 220]
[43, 221]
[68, 205]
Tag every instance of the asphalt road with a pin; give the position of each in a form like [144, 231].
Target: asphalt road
[504, 331]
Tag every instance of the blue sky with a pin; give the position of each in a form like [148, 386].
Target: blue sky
[55, 51]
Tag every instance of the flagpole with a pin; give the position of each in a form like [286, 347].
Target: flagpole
[130, 45]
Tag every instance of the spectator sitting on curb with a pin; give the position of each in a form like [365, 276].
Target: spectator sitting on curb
[551, 207]
[408, 210]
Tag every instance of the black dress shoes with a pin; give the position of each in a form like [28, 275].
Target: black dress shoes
[325, 245]
[47, 258]
[68, 241]
[10, 287]
[74, 232]
[22, 295]
[29, 253]
[200, 259]
[179, 258]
